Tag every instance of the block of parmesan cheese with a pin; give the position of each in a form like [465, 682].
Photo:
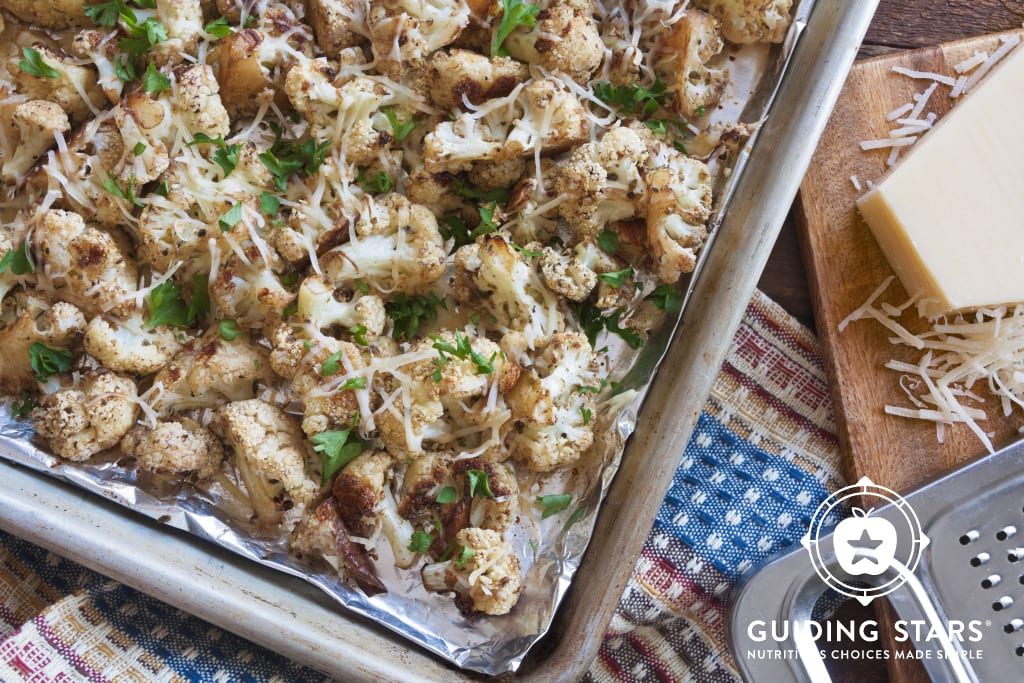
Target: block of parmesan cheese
[950, 216]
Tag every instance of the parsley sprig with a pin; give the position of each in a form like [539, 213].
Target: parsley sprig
[285, 158]
[167, 307]
[553, 504]
[400, 131]
[409, 312]
[515, 13]
[47, 362]
[632, 100]
[33, 64]
[666, 298]
[462, 350]
[17, 260]
[225, 155]
[379, 183]
[592, 321]
[126, 193]
[337, 448]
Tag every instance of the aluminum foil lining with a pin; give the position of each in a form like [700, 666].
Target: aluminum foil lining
[550, 550]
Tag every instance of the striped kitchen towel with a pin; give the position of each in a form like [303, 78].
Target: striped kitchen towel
[763, 456]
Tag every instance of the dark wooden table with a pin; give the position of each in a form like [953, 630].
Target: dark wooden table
[898, 25]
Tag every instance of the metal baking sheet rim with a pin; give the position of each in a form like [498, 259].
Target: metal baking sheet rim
[291, 617]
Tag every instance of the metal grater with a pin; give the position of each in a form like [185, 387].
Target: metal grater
[972, 569]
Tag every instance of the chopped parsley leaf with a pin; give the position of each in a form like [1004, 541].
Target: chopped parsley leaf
[515, 13]
[666, 298]
[552, 505]
[33, 64]
[18, 260]
[616, 278]
[331, 364]
[229, 330]
[47, 362]
[353, 383]
[153, 81]
[420, 542]
[231, 218]
[479, 485]
[447, 495]
[400, 131]
[336, 450]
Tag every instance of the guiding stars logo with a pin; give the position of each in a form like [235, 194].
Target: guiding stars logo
[866, 544]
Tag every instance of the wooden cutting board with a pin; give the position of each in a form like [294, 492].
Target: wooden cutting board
[845, 266]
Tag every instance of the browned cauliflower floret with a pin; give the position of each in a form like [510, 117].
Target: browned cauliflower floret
[87, 418]
[346, 113]
[603, 181]
[197, 101]
[88, 267]
[543, 114]
[553, 419]
[690, 43]
[484, 572]
[679, 204]
[180, 447]
[250, 294]
[301, 361]
[183, 20]
[492, 274]
[396, 246]
[321, 534]
[494, 500]
[67, 90]
[444, 390]
[566, 274]
[56, 327]
[337, 24]
[57, 14]
[424, 478]
[34, 124]
[564, 38]
[129, 345]
[405, 31]
[271, 457]
[750, 21]
[210, 371]
[97, 47]
[364, 499]
[608, 294]
[463, 74]
[318, 306]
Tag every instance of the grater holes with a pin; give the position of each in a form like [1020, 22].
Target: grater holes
[1006, 532]
[1020, 650]
[980, 559]
[970, 537]
[991, 580]
[1002, 603]
[1015, 555]
[1014, 625]
[1020, 579]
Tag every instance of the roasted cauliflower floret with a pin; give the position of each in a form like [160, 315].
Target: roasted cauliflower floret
[180, 448]
[603, 180]
[271, 457]
[424, 478]
[183, 20]
[75, 89]
[484, 572]
[564, 38]
[318, 306]
[679, 204]
[690, 43]
[8, 278]
[300, 360]
[346, 113]
[57, 327]
[494, 500]
[444, 392]
[462, 75]
[35, 123]
[99, 48]
[87, 266]
[87, 418]
[750, 21]
[553, 419]
[322, 534]
[491, 272]
[210, 371]
[396, 246]
[543, 114]
[129, 345]
[566, 274]
[250, 294]
[364, 499]
[197, 101]
[56, 14]
[337, 24]
[408, 30]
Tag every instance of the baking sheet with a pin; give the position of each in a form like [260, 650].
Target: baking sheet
[506, 644]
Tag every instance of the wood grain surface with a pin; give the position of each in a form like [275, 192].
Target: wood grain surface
[845, 266]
